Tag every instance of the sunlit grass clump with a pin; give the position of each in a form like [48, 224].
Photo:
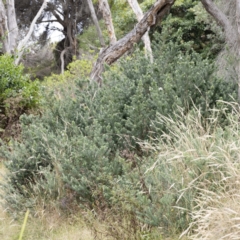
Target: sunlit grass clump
[194, 181]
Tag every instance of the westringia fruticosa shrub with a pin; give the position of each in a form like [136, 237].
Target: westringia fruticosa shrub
[72, 151]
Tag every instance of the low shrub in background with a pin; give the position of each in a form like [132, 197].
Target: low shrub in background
[80, 68]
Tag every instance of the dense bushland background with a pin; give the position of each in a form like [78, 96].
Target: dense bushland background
[151, 154]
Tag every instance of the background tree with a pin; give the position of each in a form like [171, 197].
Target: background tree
[112, 53]
[230, 22]
[95, 21]
[106, 12]
[69, 18]
[9, 29]
[139, 14]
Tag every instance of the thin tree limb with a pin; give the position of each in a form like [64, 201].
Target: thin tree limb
[139, 15]
[58, 18]
[107, 16]
[47, 21]
[23, 42]
[62, 60]
[95, 21]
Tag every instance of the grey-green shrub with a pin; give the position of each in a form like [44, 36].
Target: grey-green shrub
[83, 131]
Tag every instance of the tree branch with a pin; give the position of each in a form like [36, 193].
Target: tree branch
[23, 42]
[47, 21]
[58, 18]
[107, 16]
[96, 23]
[111, 53]
[221, 19]
[146, 39]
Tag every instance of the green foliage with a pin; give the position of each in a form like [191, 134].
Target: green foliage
[89, 38]
[80, 68]
[17, 93]
[187, 17]
[130, 99]
[123, 18]
[85, 149]
[13, 83]
[163, 189]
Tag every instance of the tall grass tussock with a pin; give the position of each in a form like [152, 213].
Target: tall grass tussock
[202, 160]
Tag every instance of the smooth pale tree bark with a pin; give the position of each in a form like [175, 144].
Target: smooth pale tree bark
[12, 25]
[107, 16]
[8, 26]
[9, 29]
[4, 32]
[95, 21]
[62, 60]
[238, 45]
[231, 33]
[113, 52]
[139, 14]
[22, 44]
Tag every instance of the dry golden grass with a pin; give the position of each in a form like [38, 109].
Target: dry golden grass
[46, 226]
[208, 161]
[49, 227]
[217, 214]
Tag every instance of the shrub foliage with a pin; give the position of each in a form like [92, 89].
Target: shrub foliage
[86, 147]
[17, 92]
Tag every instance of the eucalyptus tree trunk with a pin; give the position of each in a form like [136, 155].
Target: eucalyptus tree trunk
[8, 26]
[113, 52]
[9, 29]
[12, 25]
[95, 21]
[107, 16]
[231, 31]
[4, 32]
[139, 14]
